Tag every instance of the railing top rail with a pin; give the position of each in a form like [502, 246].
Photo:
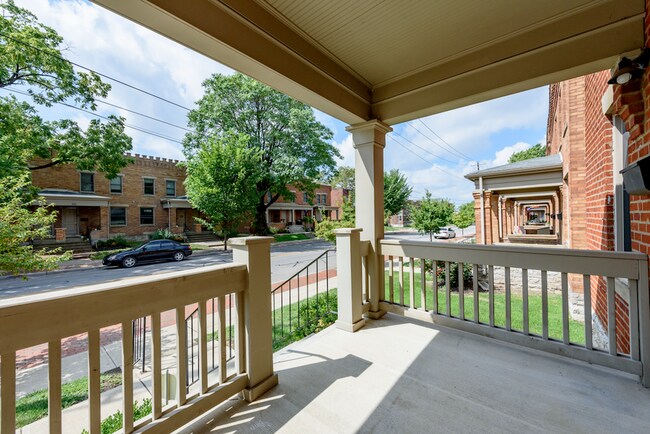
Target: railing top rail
[591, 262]
[42, 318]
[303, 269]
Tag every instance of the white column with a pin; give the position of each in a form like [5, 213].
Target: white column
[369, 142]
[348, 277]
[255, 253]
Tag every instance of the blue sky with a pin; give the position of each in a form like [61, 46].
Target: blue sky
[488, 132]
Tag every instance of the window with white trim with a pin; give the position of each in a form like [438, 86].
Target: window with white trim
[116, 185]
[148, 186]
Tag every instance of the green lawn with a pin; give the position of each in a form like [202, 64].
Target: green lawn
[576, 329]
[293, 322]
[33, 407]
[290, 237]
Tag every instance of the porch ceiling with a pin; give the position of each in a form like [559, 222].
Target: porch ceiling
[397, 61]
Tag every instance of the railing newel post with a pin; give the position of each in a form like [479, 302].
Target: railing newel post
[348, 266]
[255, 253]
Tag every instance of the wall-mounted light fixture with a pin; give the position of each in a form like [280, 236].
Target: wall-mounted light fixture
[627, 69]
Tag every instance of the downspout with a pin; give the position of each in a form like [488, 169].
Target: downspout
[480, 187]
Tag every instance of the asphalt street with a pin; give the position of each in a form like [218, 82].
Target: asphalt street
[286, 259]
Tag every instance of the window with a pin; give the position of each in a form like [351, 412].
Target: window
[116, 185]
[146, 216]
[87, 181]
[305, 198]
[118, 216]
[170, 187]
[148, 184]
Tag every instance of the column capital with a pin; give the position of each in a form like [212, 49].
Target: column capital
[369, 133]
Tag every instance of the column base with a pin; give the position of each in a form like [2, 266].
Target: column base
[250, 394]
[350, 327]
[375, 314]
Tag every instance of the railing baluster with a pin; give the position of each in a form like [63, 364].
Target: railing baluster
[508, 300]
[586, 285]
[448, 288]
[544, 305]
[412, 283]
[282, 310]
[475, 292]
[8, 393]
[461, 291]
[491, 293]
[54, 384]
[391, 271]
[611, 314]
[203, 346]
[634, 319]
[240, 334]
[156, 365]
[221, 307]
[94, 390]
[434, 266]
[524, 296]
[423, 284]
[181, 356]
[127, 376]
[565, 308]
[400, 273]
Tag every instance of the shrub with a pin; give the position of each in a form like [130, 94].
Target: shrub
[453, 271]
[113, 243]
[325, 228]
[317, 314]
[166, 234]
[114, 422]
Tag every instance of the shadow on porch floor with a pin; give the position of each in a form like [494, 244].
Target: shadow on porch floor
[400, 375]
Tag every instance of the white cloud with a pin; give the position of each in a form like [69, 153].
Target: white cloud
[346, 148]
[502, 155]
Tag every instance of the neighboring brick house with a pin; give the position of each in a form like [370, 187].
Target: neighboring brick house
[149, 195]
[146, 195]
[326, 203]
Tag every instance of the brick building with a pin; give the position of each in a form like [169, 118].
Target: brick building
[149, 195]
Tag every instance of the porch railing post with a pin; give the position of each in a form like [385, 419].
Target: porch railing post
[255, 253]
[348, 277]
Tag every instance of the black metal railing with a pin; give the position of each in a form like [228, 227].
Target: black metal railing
[139, 329]
[192, 342]
[305, 303]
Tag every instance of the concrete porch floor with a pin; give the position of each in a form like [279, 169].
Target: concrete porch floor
[401, 375]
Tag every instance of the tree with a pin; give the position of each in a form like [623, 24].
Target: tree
[431, 214]
[32, 59]
[396, 192]
[295, 148]
[221, 182]
[326, 227]
[343, 178]
[533, 152]
[18, 225]
[464, 217]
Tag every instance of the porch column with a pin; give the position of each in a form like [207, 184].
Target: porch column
[255, 253]
[369, 141]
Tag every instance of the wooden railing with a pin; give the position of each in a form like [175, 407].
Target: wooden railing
[428, 296]
[49, 318]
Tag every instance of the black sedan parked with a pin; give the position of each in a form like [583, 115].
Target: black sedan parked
[151, 251]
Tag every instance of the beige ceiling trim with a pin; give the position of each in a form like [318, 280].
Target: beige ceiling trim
[583, 54]
[564, 25]
[193, 24]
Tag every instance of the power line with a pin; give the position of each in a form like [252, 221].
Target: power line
[444, 141]
[427, 161]
[133, 127]
[144, 115]
[108, 77]
[442, 146]
[424, 149]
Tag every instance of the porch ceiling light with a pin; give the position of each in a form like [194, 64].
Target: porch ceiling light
[628, 69]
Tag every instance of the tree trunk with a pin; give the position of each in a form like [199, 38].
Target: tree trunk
[430, 237]
[259, 225]
[225, 241]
